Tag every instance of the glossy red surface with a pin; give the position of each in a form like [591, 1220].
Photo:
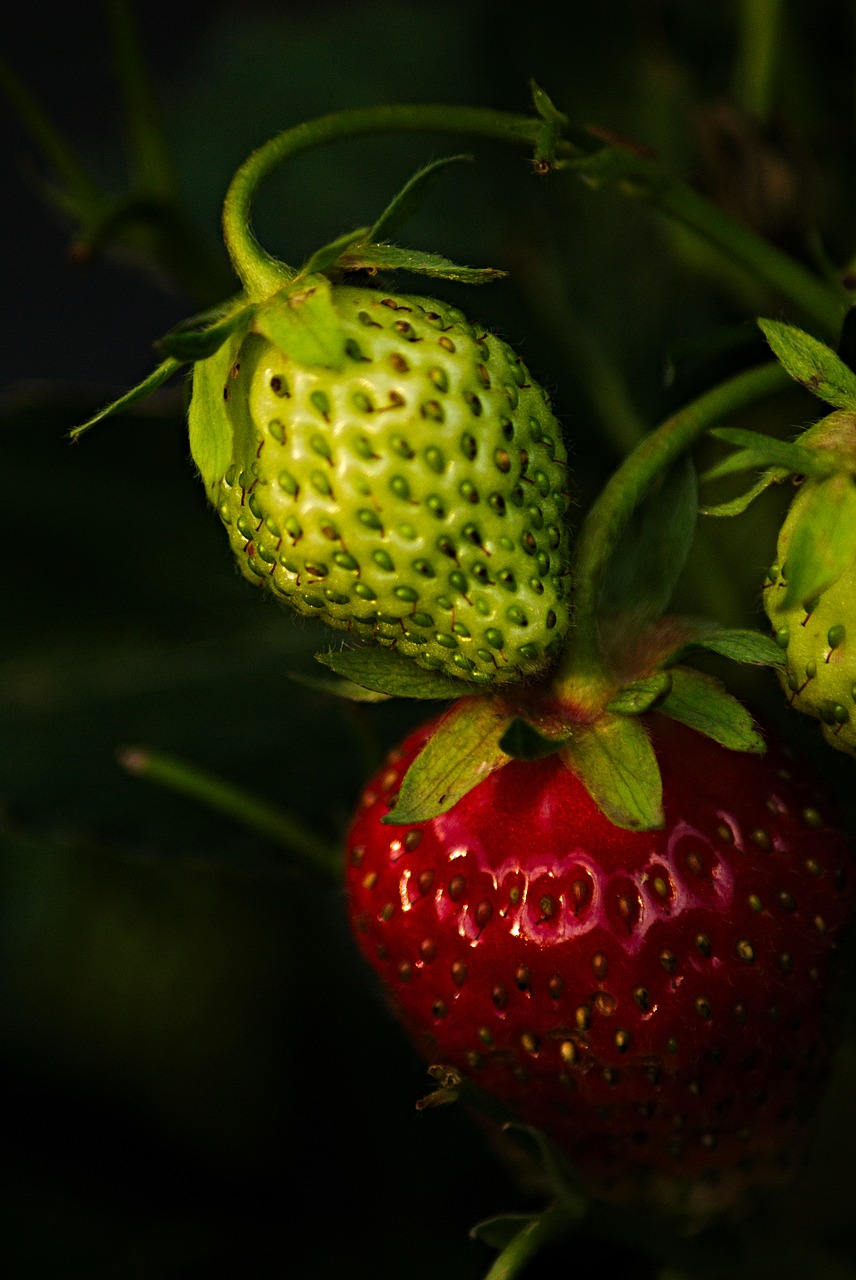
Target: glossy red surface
[655, 1001]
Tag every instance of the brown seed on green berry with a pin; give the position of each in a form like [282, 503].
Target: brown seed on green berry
[416, 497]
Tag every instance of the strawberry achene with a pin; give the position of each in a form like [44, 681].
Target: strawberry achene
[658, 1001]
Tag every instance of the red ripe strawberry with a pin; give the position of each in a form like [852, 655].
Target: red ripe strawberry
[655, 1001]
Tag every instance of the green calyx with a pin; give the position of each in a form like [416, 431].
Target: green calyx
[609, 750]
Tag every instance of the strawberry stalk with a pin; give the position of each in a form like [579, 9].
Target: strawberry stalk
[262, 274]
[583, 679]
[602, 161]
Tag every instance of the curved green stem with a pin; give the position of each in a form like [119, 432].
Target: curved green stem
[262, 274]
[583, 676]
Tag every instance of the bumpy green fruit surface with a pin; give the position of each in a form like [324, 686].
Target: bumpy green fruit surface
[416, 497]
[819, 644]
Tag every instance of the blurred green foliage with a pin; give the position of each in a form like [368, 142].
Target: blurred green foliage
[199, 1079]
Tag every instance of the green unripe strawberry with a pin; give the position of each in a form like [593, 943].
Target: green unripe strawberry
[818, 639]
[415, 496]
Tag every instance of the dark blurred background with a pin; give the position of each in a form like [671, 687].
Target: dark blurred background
[198, 1079]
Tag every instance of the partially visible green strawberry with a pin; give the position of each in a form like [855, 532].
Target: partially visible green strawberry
[818, 639]
[810, 592]
[415, 496]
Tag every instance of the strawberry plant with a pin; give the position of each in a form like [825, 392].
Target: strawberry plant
[604, 900]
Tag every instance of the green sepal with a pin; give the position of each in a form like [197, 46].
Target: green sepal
[209, 423]
[550, 132]
[462, 751]
[523, 741]
[329, 254]
[165, 370]
[640, 696]
[337, 688]
[757, 450]
[823, 543]
[811, 363]
[701, 703]
[736, 506]
[614, 760]
[204, 335]
[409, 199]
[385, 671]
[389, 257]
[302, 322]
[651, 553]
[544, 105]
[499, 1232]
[740, 645]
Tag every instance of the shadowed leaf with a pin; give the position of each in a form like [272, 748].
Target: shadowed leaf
[390, 673]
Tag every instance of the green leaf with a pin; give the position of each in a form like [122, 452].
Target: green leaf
[735, 643]
[390, 673]
[388, 257]
[156, 379]
[303, 323]
[463, 750]
[409, 199]
[736, 506]
[811, 363]
[614, 760]
[499, 1232]
[523, 741]
[640, 696]
[329, 254]
[545, 106]
[701, 702]
[209, 423]
[651, 553]
[757, 450]
[190, 344]
[823, 543]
